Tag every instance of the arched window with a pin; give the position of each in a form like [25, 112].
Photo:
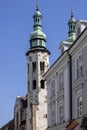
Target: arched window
[36, 19]
[71, 27]
[34, 84]
[42, 84]
[33, 66]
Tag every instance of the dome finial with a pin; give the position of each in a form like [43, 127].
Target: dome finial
[37, 6]
[72, 13]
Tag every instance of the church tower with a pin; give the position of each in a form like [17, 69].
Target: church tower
[38, 64]
[64, 45]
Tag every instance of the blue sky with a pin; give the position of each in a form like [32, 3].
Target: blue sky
[16, 24]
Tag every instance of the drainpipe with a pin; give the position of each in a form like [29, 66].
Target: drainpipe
[70, 73]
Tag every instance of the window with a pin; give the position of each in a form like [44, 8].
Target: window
[61, 110]
[40, 42]
[52, 88]
[36, 19]
[23, 114]
[79, 66]
[42, 67]
[28, 68]
[61, 84]
[79, 103]
[34, 66]
[34, 84]
[61, 113]
[71, 27]
[78, 31]
[34, 43]
[53, 115]
[42, 84]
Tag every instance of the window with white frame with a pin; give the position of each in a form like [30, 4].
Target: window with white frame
[61, 110]
[52, 113]
[61, 80]
[78, 66]
[79, 102]
[52, 88]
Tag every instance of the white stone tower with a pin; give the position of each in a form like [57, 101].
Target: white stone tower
[38, 64]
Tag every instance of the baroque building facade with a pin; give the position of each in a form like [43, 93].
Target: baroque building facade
[67, 81]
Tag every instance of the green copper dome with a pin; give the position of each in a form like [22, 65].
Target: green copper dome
[37, 13]
[37, 34]
[72, 19]
[64, 45]
[37, 37]
[72, 32]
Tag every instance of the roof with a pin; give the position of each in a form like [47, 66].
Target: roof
[77, 38]
[24, 101]
[64, 53]
[9, 125]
